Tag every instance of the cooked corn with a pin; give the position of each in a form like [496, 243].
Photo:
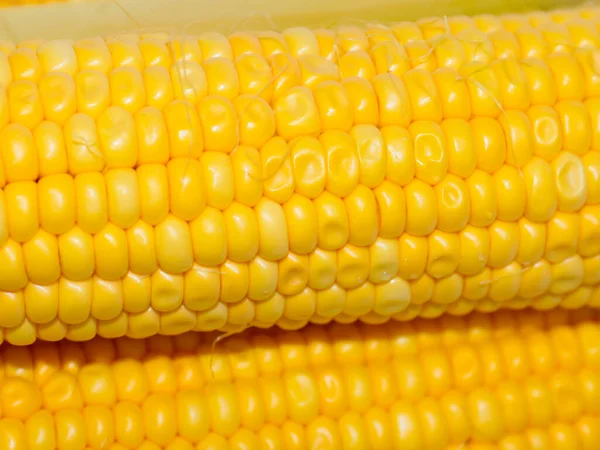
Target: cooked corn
[490, 381]
[155, 186]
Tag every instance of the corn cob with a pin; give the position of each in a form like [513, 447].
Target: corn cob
[155, 185]
[489, 381]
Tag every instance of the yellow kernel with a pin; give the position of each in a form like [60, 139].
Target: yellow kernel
[421, 208]
[18, 153]
[571, 183]
[127, 88]
[58, 96]
[510, 189]
[92, 91]
[158, 86]
[183, 128]
[52, 154]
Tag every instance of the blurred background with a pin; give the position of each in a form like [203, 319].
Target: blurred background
[39, 19]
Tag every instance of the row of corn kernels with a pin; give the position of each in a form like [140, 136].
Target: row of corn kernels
[423, 148]
[204, 299]
[475, 380]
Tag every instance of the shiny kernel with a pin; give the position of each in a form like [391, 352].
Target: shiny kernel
[24, 64]
[25, 104]
[514, 92]
[296, 113]
[542, 198]
[505, 282]
[83, 145]
[462, 159]
[363, 100]
[591, 162]
[420, 55]
[76, 249]
[57, 93]
[424, 98]
[484, 89]
[315, 69]
[111, 253]
[453, 204]
[333, 105]
[13, 276]
[454, 94]
[413, 256]
[449, 52]
[510, 189]
[234, 281]
[532, 241]
[443, 254]
[394, 103]
[356, 63]
[391, 205]
[256, 120]
[571, 183]
[126, 53]
[362, 213]
[218, 176]
[273, 239]
[272, 43]
[431, 154]
[588, 241]
[93, 54]
[546, 131]
[173, 233]
[141, 242]
[127, 88]
[214, 45]
[490, 144]
[286, 73]
[254, 75]
[152, 182]
[122, 197]
[277, 169]
[183, 127]
[159, 418]
[221, 78]
[22, 210]
[262, 279]
[504, 243]
[189, 81]
[18, 151]
[152, 139]
[576, 127]
[159, 89]
[342, 162]
[563, 232]
[50, 144]
[301, 217]
[570, 82]
[421, 208]
[116, 132]
[57, 194]
[309, 166]
[567, 275]
[242, 232]
[517, 129]
[92, 91]
[186, 188]
[42, 258]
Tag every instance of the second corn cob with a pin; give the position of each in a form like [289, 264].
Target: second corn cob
[155, 185]
[489, 381]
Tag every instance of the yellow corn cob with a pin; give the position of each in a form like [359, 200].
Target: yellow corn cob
[490, 381]
[156, 186]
